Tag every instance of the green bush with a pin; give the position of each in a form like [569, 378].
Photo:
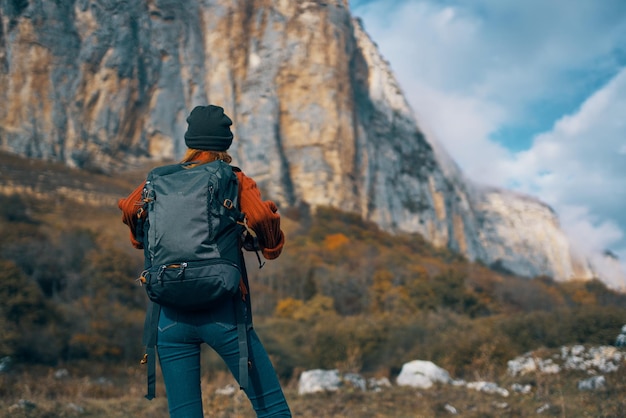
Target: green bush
[13, 208]
[29, 321]
[586, 324]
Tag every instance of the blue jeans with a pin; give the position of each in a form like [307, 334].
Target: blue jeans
[179, 339]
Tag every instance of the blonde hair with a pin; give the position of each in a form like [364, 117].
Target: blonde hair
[202, 157]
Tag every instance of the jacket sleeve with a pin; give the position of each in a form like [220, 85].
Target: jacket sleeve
[262, 217]
[130, 213]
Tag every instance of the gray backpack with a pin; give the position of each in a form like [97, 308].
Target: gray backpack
[192, 240]
[192, 236]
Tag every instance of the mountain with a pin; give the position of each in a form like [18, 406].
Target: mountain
[319, 118]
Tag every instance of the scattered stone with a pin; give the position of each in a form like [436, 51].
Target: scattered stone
[524, 389]
[593, 383]
[603, 359]
[522, 365]
[452, 410]
[500, 405]
[377, 385]
[319, 380]
[76, 408]
[23, 404]
[528, 363]
[227, 390]
[543, 408]
[422, 374]
[575, 350]
[488, 387]
[355, 380]
[548, 366]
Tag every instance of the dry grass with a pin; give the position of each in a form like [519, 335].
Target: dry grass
[118, 392]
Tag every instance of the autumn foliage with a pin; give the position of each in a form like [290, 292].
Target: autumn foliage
[343, 294]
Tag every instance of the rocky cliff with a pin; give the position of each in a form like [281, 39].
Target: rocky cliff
[319, 117]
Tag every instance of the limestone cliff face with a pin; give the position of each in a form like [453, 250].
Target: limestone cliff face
[522, 234]
[319, 118]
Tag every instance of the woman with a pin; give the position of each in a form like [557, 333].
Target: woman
[181, 333]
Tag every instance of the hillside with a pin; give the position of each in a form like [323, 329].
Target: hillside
[330, 255]
[344, 294]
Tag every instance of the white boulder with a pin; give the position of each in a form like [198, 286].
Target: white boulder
[318, 380]
[519, 388]
[377, 385]
[355, 380]
[422, 374]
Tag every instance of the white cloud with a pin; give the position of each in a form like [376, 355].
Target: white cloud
[506, 52]
[592, 236]
[471, 68]
[587, 180]
[466, 122]
[582, 153]
[589, 233]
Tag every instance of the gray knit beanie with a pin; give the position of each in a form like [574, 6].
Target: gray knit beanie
[208, 129]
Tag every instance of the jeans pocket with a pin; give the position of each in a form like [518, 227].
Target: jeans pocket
[167, 320]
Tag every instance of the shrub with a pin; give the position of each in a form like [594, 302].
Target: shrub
[13, 208]
[29, 321]
[580, 325]
[288, 308]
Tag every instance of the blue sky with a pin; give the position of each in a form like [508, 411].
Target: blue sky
[529, 95]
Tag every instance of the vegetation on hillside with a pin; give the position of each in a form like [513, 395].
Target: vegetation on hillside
[343, 294]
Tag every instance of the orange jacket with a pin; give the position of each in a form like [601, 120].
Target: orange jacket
[262, 216]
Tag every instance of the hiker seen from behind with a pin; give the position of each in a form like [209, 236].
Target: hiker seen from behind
[192, 221]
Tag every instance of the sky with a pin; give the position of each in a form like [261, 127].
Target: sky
[528, 95]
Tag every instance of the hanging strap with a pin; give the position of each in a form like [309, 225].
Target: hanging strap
[242, 336]
[150, 329]
[241, 305]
